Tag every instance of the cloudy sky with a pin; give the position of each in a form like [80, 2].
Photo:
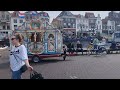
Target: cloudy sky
[54, 14]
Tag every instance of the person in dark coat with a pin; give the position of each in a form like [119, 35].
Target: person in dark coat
[113, 46]
[64, 52]
[72, 47]
[69, 48]
[79, 47]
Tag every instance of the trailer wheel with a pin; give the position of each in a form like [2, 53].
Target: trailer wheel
[36, 59]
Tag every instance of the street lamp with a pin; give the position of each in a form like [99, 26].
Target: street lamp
[81, 26]
[93, 29]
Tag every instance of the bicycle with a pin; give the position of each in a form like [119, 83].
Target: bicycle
[100, 49]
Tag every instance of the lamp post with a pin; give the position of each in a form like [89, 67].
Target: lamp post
[81, 26]
[93, 29]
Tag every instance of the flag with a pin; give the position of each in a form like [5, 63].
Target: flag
[21, 15]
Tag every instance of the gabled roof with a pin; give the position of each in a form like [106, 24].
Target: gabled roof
[78, 16]
[15, 14]
[104, 21]
[65, 13]
[89, 15]
[56, 20]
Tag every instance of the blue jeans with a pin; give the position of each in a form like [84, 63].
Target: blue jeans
[16, 74]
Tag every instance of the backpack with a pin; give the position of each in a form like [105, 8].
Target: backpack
[35, 75]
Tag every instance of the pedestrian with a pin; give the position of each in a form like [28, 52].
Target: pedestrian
[18, 57]
[95, 43]
[79, 47]
[72, 47]
[104, 40]
[64, 52]
[69, 48]
[89, 48]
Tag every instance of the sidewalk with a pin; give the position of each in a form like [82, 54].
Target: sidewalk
[2, 48]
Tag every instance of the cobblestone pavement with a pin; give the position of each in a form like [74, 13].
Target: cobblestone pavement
[75, 67]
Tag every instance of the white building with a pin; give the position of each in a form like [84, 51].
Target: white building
[108, 26]
[98, 24]
[16, 21]
[111, 26]
[95, 23]
[5, 20]
[82, 24]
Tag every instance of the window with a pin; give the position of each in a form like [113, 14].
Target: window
[96, 26]
[113, 27]
[64, 19]
[72, 20]
[7, 17]
[69, 24]
[3, 16]
[98, 22]
[73, 25]
[83, 26]
[21, 21]
[77, 26]
[100, 27]
[86, 27]
[68, 19]
[15, 27]
[112, 22]
[83, 20]
[110, 27]
[4, 27]
[8, 27]
[105, 28]
[15, 20]
[64, 24]
[92, 21]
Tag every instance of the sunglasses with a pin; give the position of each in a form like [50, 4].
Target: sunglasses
[13, 38]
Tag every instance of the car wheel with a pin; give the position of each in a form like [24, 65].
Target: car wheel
[36, 59]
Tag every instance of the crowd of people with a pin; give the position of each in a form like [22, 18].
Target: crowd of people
[78, 46]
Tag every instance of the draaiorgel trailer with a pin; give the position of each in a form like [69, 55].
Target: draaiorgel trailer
[42, 43]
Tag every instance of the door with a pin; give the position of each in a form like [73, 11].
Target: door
[51, 42]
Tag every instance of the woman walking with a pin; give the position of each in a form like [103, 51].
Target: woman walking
[18, 57]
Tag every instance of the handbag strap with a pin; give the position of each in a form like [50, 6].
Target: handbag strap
[15, 57]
